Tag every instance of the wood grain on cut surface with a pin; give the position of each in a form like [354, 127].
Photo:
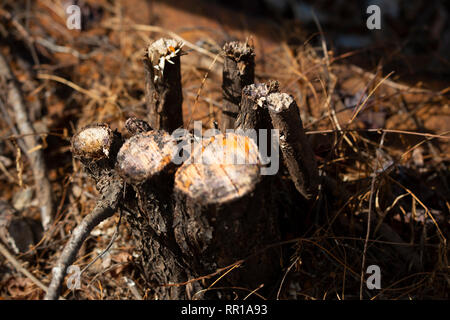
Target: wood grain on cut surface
[228, 169]
[145, 155]
[93, 142]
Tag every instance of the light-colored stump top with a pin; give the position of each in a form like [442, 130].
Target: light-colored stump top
[277, 102]
[145, 155]
[162, 52]
[221, 169]
[238, 50]
[92, 142]
[259, 92]
[164, 47]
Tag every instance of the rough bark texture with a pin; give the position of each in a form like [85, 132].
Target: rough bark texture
[145, 161]
[135, 126]
[253, 113]
[238, 72]
[17, 231]
[150, 216]
[212, 214]
[298, 155]
[163, 90]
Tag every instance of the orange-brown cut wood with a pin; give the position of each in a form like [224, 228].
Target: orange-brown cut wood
[145, 155]
[223, 168]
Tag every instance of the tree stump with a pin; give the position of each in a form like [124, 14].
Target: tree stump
[206, 215]
[163, 92]
[253, 113]
[145, 162]
[96, 146]
[223, 213]
[298, 155]
[238, 72]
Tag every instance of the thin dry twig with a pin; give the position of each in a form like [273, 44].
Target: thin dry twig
[382, 130]
[21, 269]
[200, 89]
[366, 242]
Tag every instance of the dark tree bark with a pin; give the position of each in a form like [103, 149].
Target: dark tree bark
[253, 113]
[298, 155]
[214, 212]
[163, 90]
[111, 189]
[145, 161]
[135, 126]
[238, 72]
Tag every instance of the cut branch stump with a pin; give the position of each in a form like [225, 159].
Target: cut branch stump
[253, 113]
[96, 146]
[145, 162]
[36, 157]
[298, 155]
[163, 92]
[238, 72]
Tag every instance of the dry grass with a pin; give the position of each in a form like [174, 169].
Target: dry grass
[97, 76]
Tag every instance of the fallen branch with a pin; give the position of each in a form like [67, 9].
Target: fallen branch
[224, 213]
[42, 184]
[96, 146]
[106, 206]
